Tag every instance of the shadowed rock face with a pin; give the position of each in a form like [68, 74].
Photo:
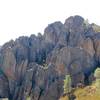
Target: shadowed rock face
[35, 66]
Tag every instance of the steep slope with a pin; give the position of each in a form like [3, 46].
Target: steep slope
[35, 66]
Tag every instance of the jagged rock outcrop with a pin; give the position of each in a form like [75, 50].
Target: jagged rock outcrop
[4, 86]
[96, 40]
[88, 46]
[35, 66]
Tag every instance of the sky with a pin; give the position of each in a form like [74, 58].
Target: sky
[26, 17]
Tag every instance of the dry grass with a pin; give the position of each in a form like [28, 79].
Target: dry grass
[87, 93]
[64, 98]
[28, 98]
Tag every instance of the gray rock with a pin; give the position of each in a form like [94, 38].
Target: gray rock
[35, 66]
[96, 40]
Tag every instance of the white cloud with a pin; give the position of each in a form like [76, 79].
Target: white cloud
[24, 17]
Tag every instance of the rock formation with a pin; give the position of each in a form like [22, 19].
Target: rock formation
[35, 66]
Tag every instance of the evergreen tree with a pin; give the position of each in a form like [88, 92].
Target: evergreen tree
[67, 86]
[97, 76]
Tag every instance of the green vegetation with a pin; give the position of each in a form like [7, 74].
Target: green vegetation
[67, 84]
[97, 73]
[45, 66]
[86, 23]
[96, 28]
[91, 92]
[97, 76]
[28, 98]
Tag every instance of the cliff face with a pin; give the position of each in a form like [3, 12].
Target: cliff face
[35, 66]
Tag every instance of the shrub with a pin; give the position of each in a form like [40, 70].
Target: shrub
[97, 73]
[67, 84]
[97, 76]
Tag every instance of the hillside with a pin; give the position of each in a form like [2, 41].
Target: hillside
[35, 66]
[87, 93]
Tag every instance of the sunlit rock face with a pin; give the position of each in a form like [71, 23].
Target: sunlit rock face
[35, 66]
